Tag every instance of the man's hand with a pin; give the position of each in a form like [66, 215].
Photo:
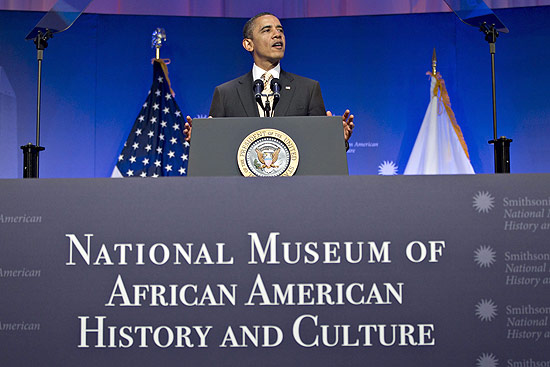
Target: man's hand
[347, 121]
[187, 128]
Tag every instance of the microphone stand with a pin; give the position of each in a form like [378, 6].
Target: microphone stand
[276, 88]
[267, 110]
[258, 87]
[276, 97]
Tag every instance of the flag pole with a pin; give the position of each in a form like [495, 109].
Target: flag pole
[156, 144]
[159, 36]
[434, 63]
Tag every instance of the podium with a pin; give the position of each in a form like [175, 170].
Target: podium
[319, 141]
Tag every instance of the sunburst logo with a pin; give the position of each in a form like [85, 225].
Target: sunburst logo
[387, 168]
[486, 310]
[484, 256]
[487, 360]
[483, 202]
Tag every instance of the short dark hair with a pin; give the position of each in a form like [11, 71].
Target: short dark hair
[249, 25]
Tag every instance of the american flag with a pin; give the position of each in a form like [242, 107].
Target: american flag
[156, 145]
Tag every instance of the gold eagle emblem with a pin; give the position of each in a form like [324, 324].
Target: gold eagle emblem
[267, 159]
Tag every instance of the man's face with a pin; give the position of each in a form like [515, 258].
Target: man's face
[268, 41]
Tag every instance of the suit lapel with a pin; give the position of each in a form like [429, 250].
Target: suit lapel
[287, 92]
[246, 95]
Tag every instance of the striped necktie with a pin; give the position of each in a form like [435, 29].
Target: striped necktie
[268, 101]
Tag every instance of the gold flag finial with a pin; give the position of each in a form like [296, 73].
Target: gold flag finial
[159, 35]
[434, 63]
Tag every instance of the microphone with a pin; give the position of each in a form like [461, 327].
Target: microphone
[276, 89]
[258, 89]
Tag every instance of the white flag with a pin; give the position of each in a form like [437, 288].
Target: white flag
[440, 146]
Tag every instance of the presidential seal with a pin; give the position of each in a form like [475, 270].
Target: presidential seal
[267, 153]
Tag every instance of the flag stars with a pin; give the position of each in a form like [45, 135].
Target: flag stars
[152, 150]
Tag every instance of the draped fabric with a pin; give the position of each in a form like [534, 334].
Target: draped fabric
[156, 145]
[247, 8]
[440, 147]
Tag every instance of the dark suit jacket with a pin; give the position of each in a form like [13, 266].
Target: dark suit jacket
[299, 97]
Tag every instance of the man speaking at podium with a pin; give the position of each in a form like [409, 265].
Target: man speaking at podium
[264, 38]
